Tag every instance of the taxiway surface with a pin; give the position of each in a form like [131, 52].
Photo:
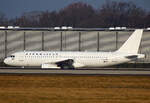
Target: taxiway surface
[108, 71]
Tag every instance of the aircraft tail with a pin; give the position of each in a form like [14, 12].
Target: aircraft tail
[133, 42]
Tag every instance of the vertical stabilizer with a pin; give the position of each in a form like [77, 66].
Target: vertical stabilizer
[133, 42]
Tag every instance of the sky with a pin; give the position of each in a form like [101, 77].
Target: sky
[14, 8]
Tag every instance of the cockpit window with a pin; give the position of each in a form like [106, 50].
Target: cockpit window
[12, 56]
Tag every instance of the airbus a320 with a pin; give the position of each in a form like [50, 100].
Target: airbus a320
[75, 59]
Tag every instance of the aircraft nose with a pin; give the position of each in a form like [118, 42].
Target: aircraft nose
[6, 60]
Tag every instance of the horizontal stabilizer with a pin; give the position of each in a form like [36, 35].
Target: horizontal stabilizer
[132, 57]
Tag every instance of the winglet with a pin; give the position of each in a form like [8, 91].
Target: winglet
[133, 42]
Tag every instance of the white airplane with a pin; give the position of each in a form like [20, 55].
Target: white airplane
[71, 59]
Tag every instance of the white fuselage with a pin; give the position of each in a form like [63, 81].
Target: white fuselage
[81, 59]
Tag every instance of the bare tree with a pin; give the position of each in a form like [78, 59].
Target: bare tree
[80, 14]
[3, 19]
[48, 19]
[147, 20]
[30, 19]
[121, 14]
[76, 15]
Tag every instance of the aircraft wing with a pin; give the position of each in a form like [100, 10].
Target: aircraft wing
[63, 64]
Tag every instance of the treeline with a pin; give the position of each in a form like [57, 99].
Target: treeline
[110, 14]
